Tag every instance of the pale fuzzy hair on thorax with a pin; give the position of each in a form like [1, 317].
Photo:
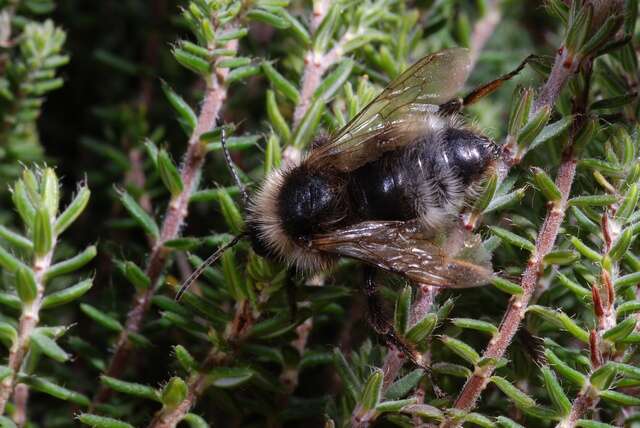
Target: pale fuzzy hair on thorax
[435, 209]
[265, 213]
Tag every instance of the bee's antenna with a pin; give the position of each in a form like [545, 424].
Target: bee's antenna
[234, 173]
[210, 260]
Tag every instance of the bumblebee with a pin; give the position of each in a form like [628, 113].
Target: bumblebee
[385, 189]
[382, 187]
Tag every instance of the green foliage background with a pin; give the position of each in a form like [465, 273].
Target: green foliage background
[114, 186]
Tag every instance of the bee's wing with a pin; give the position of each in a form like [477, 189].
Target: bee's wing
[386, 123]
[406, 249]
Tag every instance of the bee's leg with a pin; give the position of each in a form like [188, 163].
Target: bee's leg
[488, 88]
[381, 324]
[452, 106]
[385, 329]
[290, 289]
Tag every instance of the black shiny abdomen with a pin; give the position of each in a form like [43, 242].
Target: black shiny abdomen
[470, 154]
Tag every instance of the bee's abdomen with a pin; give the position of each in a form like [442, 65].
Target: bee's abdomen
[427, 179]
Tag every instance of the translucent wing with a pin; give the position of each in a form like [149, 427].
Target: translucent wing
[391, 119]
[406, 249]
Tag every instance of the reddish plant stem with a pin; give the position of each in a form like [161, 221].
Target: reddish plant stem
[197, 384]
[171, 419]
[393, 362]
[21, 400]
[563, 68]
[587, 397]
[151, 52]
[518, 304]
[29, 320]
[605, 315]
[580, 406]
[316, 64]
[291, 374]
[320, 9]
[6, 18]
[136, 177]
[175, 216]
[483, 29]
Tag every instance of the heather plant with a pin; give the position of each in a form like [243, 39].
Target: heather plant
[39, 280]
[32, 52]
[552, 341]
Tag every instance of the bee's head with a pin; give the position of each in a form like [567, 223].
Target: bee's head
[297, 202]
[305, 202]
[281, 217]
[285, 212]
[470, 153]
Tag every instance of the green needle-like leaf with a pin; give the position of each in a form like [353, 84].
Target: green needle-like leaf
[49, 347]
[513, 239]
[139, 215]
[72, 264]
[230, 377]
[461, 349]
[185, 113]
[96, 421]
[101, 318]
[520, 399]
[42, 232]
[371, 393]
[557, 394]
[67, 295]
[130, 388]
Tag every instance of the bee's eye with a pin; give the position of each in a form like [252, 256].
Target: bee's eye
[471, 154]
[257, 243]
